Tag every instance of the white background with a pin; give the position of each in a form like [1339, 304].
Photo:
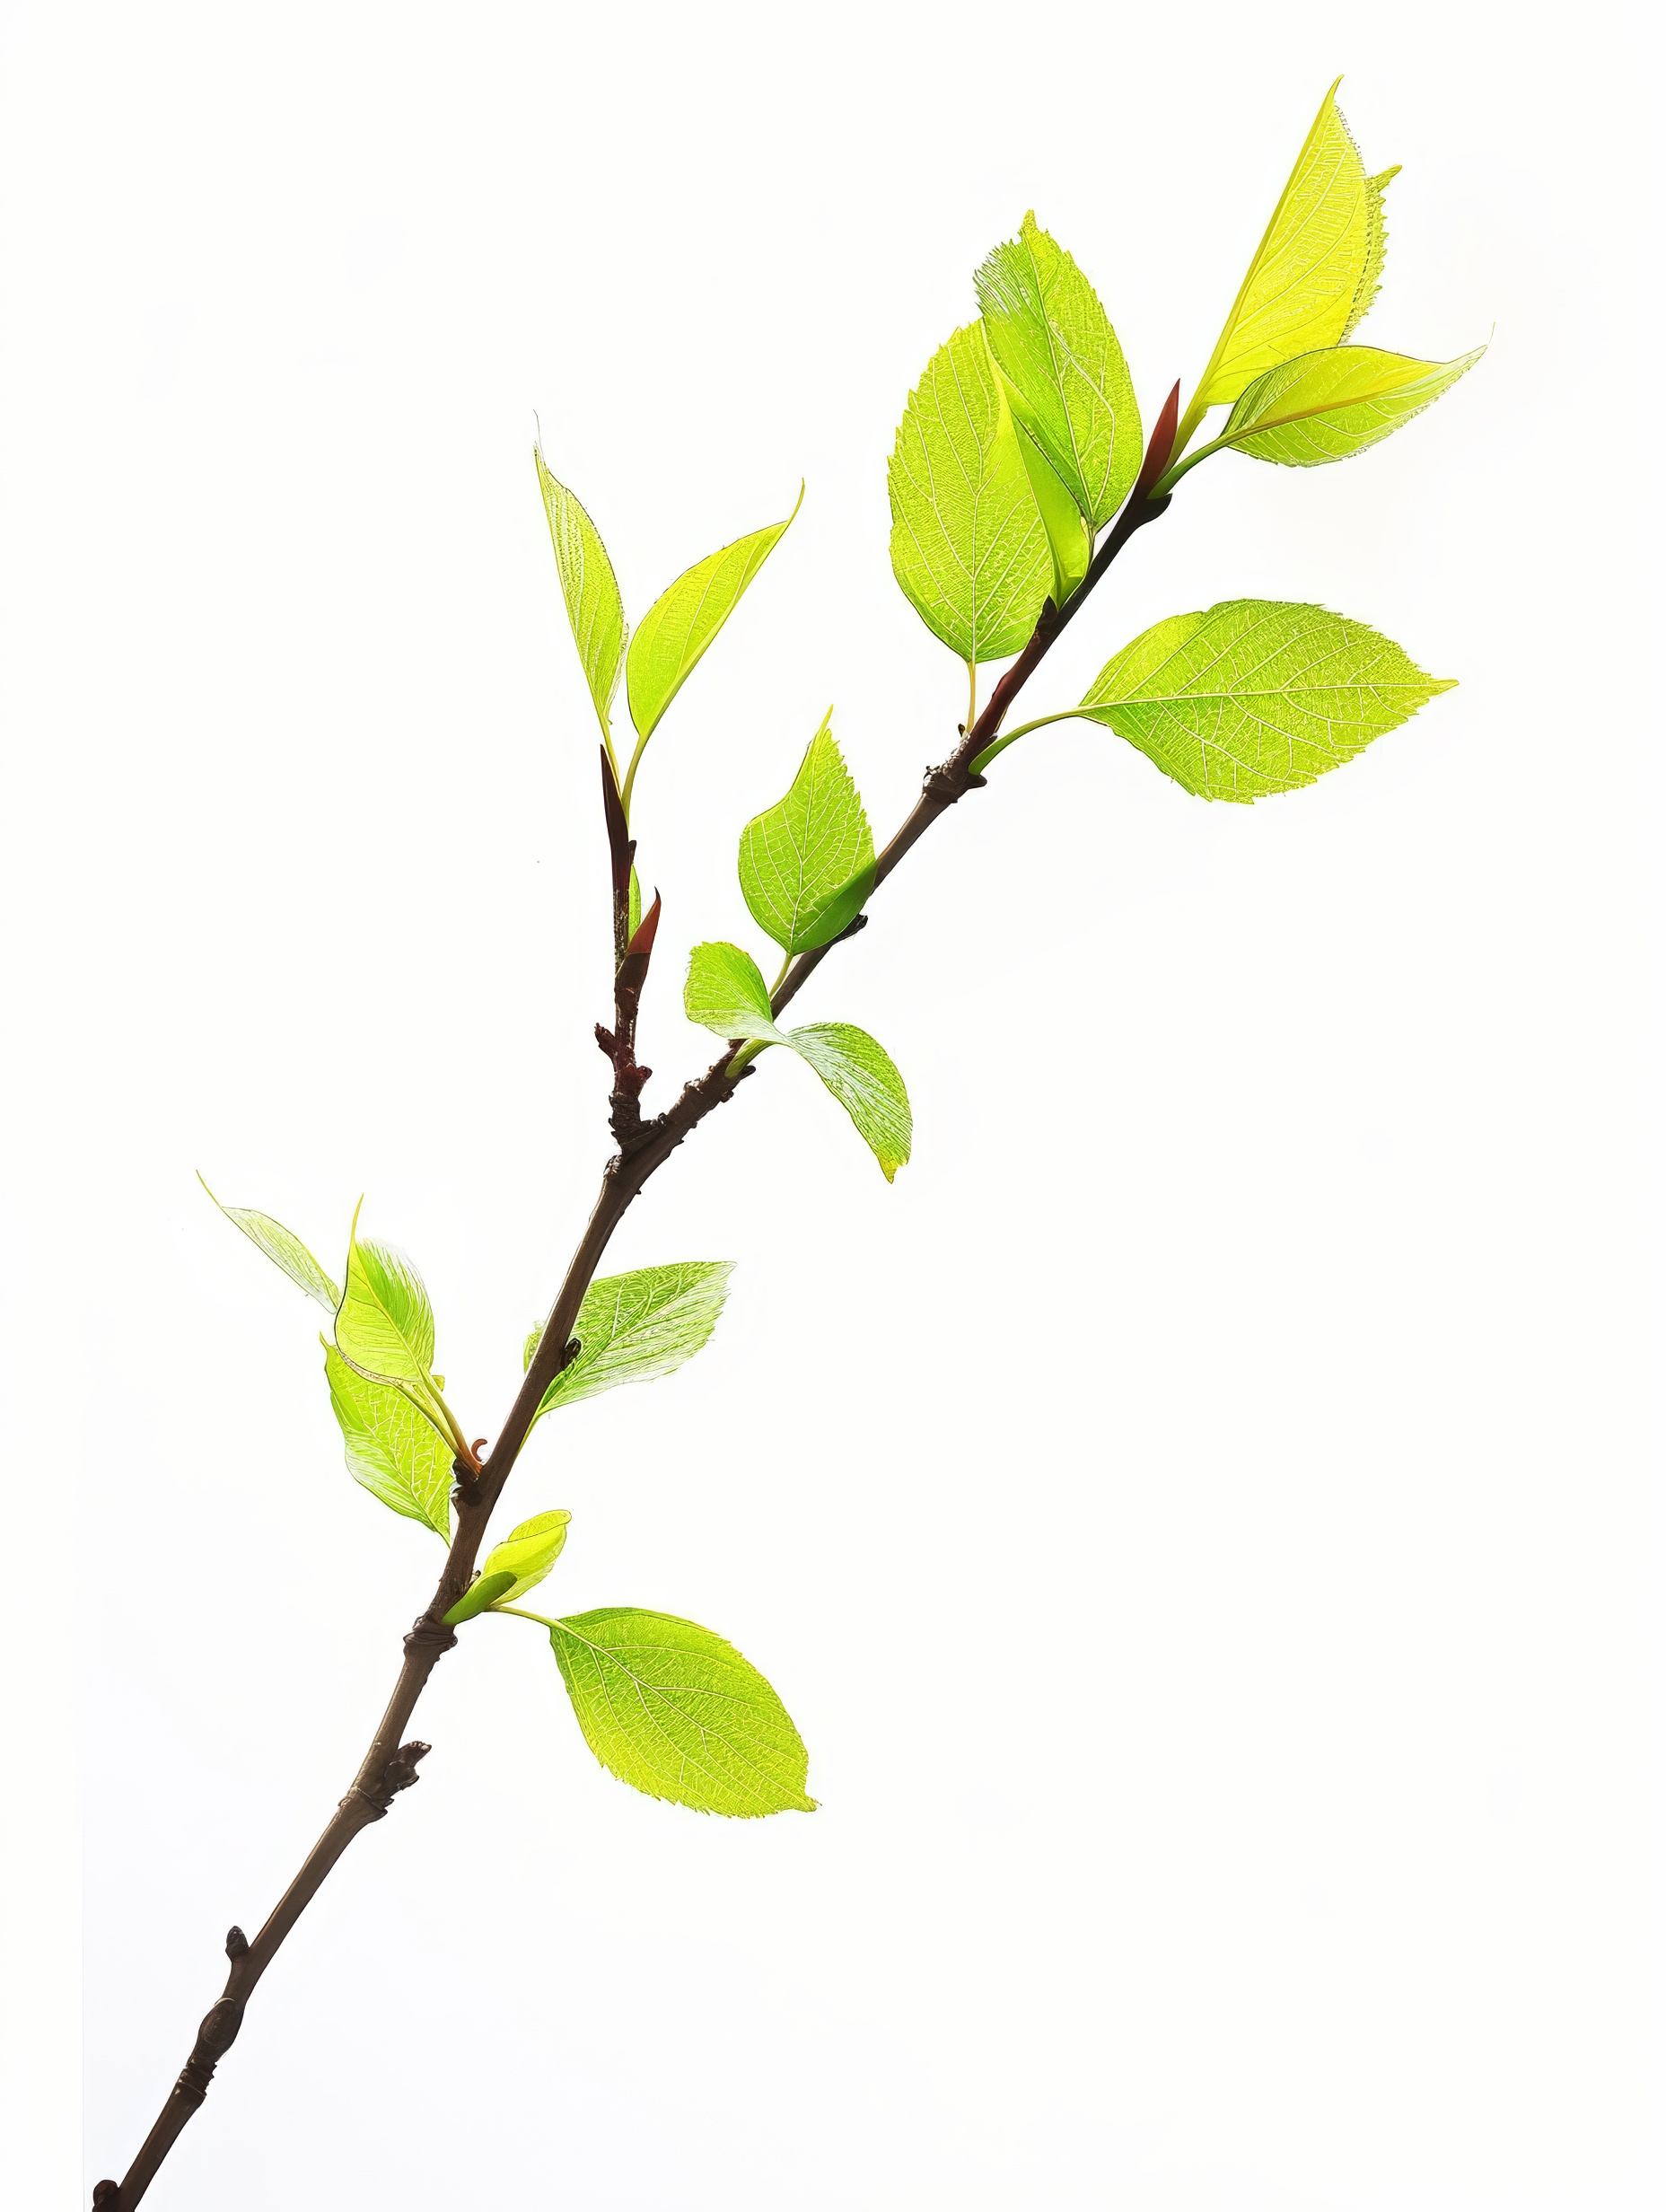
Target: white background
[1197, 1518]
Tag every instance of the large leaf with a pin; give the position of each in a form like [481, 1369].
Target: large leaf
[384, 1324]
[683, 620]
[967, 542]
[1057, 349]
[1256, 696]
[1315, 271]
[725, 992]
[1330, 405]
[807, 864]
[633, 1327]
[284, 1249]
[678, 1714]
[392, 1448]
[590, 588]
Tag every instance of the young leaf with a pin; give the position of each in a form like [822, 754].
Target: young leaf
[1069, 539]
[1256, 696]
[1315, 271]
[633, 1328]
[384, 1324]
[392, 1448]
[1056, 347]
[807, 864]
[678, 1714]
[862, 1077]
[726, 994]
[633, 907]
[684, 619]
[1330, 405]
[967, 542]
[526, 1555]
[284, 1249]
[590, 588]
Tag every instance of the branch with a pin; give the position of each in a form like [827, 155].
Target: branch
[390, 1766]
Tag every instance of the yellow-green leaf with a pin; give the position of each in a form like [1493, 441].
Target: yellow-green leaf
[967, 541]
[684, 619]
[527, 1554]
[384, 1324]
[1330, 405]
[1315, 271]
[1054, 346]
[725, 992]
[1069, 538]
[590, 588]
[635, 1328]
[678, 1713]
[284, 1249]
[806, 864]
[1256, 696]
[392, 1448]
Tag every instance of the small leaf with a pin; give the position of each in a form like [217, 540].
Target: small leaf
[635, 1328]
[284, 1249]
[678, 1714]
[392, 1448]
[590, 588]
[807, 864]
[1317, 266]
[526, 1555]
[725, 992]
[632, 905]
[862, 1077]
[967, 543]
[384, 1325]
[1330, 405]
[1256, 696]
[484, 1591]
[1054, 346]
[1069, 538]
[684, 619]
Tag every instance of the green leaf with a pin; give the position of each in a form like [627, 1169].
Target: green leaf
[1054, 346]
[1316, 270]
[483, 1592]
[392, 1447]
[1069, 538]
[678, 1714]
[633, 1328]
[633, 907]
[726, 994]
[284, 1249]
[862, 1077]
[967, 543]
[807, 864]
[384, 1324]
[1330, 405]
[590, 588]
[683, 620]
[527, 1554]
[1256, 696]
